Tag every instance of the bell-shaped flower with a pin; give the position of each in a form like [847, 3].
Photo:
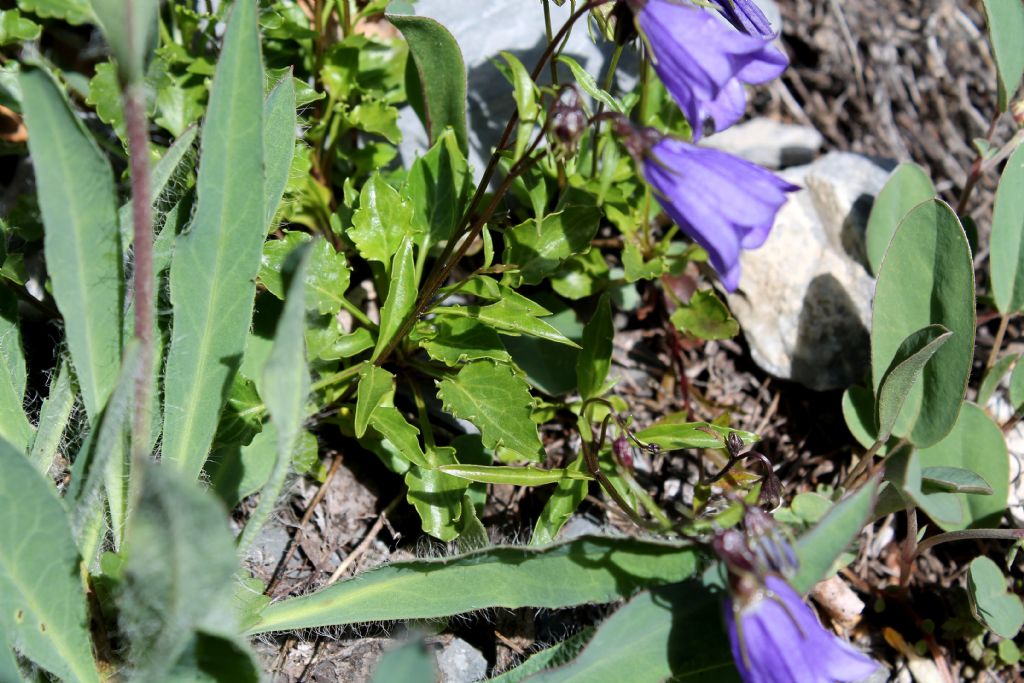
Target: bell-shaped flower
[704, 63]
[722, 202]
[776, 638]
[746, 16]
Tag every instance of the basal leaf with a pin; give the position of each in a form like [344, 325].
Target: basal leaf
[42, 604]
[215, 263]
[589, 569]
[82, 245]
[493, 398]
[705, 316]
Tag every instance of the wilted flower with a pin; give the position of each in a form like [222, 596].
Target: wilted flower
[722, 202]
[704, 63]
[746, 16]
[776, 638]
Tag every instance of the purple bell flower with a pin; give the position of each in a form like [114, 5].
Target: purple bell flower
[746, 16]
[776, 638]
[722, 202]
[704, 63]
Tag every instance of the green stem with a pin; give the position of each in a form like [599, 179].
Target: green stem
[968, 534]
[358, 314]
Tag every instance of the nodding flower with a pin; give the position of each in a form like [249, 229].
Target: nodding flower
[704, 63]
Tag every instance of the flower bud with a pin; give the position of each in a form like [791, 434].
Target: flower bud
[566, 119]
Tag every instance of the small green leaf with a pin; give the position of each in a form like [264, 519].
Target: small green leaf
[14, 424]
[564, 500]
[955, 480]
[382, 221]
[508, 317]
[926, 278]
[327, 276]
[498, 402]
[42, 604]
[904, 373]
[672, 433]
[435, 77]
[996, 608]
[819, 548]
[1007, 241]
[15, 28]
[589, 85]
[376, 388]
[438, 187]
[1017, 387]
[595, 358]
[538, 248]
[525, 96]
[705, 317]
[585, 570]
[71, 11]
[516, 476]
[456, 341]
[401, 296]
[436, 495]
[241, 418]
[1006, 28]
[993, 376]
[908, 186]
[404, 437]
[905, 473]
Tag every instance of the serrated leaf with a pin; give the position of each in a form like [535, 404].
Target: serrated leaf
[82, 245]
[376, 388]
[538, 248]
[705, 316]
[595, 357]
[455, 341]
[499, 403]
[241, 418]
[435, 77]
[71, 11]
[14, 425]
[992, 605]
[926, 278]
[904, 372]
[508, 318]
[391, 425]
[1006, 28]
[908, 186]
[588, 569]
[438, 187]
[381, 222]
[179, 570]
[1007, 241]
[327, 276]
[14, 28]
[42, 604]
[401, 297]
[215, 263]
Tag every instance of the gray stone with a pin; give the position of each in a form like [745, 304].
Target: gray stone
[769, 143]
[804, 300]
[460, 662]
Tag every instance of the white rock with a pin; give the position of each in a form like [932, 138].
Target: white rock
[804, 301]
[460, 662]
[769, 143]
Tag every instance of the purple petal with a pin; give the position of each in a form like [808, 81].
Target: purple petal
[746, 16]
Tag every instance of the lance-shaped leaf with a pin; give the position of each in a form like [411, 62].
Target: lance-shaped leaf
[516, 476]
[82, 244]
[904, 372]
[376, 387]
[401, 296]
[53, 419]
[14, 424]
[279, 120]
[497, 401]
[42, 604]
[588, 569]
[596, 355]
[215, 263]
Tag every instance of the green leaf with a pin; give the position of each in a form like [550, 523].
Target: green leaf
[672, 434]
[130, 27]
[82, 246]
[955, 480]
[410, 663]
[241, 418]
[105, 97]
[405, 438]
[42, 604]
[993, 376]
[71, 11]
[382, 221]
[215, 659]
[538, 248]
[279, 120]
[436, 495]
[588, 569]
[996, 608]
[438, 187]
[556, 655]
[908, 186]
[499, 403]
[508, 317]
[238, 471]
[179, 571]
[15, 28]
[14, 425]
[376, 388]
[525, 96]
[516, 476]
[926, 278]
[1007, 241]
[819, 548]
[1006, 28]
[286, 381]
[327, 277]
[589, 86]
[401, 296]
[595, 358]
[904, 373]
[53, 419]
[905, 473]
[976, 444]
[215, 263]
[564, 500]
[1017, 387]
[671, 633]
[436, 77]
[705, 317]
[456, 341]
